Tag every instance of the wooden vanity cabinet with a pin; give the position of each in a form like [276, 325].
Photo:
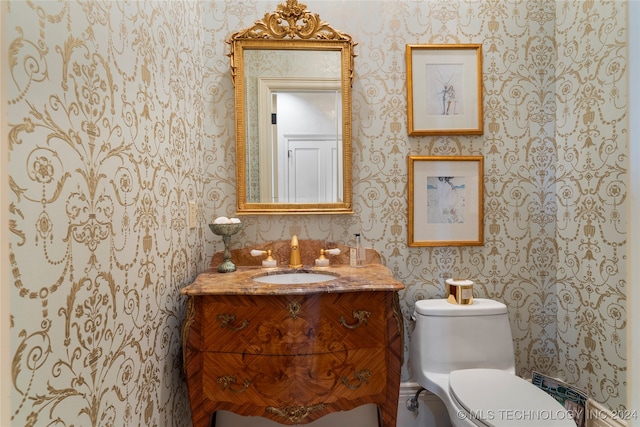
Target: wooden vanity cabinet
[293, 358]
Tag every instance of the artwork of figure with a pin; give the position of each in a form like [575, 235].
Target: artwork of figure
[445, 200]
[444, 89]
[449, 102]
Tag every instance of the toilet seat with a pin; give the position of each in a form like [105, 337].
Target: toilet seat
[496, 398]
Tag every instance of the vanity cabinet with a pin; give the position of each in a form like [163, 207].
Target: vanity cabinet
[292, 353]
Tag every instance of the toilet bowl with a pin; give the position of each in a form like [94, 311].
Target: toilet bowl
[464, 355]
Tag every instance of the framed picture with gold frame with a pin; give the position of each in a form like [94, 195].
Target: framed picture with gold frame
[446, 206]
[444, 89]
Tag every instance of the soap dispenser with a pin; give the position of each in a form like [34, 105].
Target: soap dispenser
[357, 253]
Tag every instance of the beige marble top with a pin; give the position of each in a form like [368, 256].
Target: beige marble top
[371, 277]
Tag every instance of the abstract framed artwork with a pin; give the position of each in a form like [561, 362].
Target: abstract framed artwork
[446, 206]
[444, 89]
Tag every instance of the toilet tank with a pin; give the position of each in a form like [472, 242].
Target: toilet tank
[448, 337]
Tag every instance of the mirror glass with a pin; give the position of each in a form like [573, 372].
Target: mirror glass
[293, 115]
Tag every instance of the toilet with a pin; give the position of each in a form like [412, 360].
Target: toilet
[464, 355]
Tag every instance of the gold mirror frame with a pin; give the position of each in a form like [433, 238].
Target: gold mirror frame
[291, 27]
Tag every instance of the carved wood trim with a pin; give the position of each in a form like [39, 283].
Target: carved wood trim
[397, 314]
[291, 20]
[186, 327]
[294, 413]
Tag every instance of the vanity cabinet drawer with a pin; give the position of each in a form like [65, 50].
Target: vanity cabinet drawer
[279, 380]
[293, 355]
[293, 324]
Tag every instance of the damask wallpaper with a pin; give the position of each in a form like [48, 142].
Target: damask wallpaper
[121, 113]
[106, 139]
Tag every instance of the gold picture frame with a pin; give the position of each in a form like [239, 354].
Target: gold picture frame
[446, 206]
[444, 89]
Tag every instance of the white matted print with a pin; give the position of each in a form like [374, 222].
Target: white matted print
[444, 89]
[446, 201]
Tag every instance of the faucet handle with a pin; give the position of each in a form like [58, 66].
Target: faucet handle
[257, 252]
[268, 262]
[322, 260]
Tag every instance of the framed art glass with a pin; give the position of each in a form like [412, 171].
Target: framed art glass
[446, 201]
[444, 89]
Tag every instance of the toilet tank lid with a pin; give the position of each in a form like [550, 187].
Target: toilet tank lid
[442, 307]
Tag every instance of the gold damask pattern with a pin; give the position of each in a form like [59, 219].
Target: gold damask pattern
[590, 191]
[120, 113]
[105, 117]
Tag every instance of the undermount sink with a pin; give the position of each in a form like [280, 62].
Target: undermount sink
[295, 278]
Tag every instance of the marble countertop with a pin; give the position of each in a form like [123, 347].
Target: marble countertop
[371, 277]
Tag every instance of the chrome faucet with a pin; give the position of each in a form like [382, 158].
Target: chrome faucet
[294, 261]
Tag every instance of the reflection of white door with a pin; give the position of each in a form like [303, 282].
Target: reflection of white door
[310, 170]
[300, 141]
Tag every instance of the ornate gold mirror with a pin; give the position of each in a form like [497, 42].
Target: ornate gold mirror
[292, 74]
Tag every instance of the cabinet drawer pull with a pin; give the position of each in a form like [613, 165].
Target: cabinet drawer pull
[295, 413]
[227, 381]
[362, 377]
[362, 316]
[227, 319]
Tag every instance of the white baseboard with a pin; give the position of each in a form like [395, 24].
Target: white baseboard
[431, 411]
[599, 416]
[410, 389]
